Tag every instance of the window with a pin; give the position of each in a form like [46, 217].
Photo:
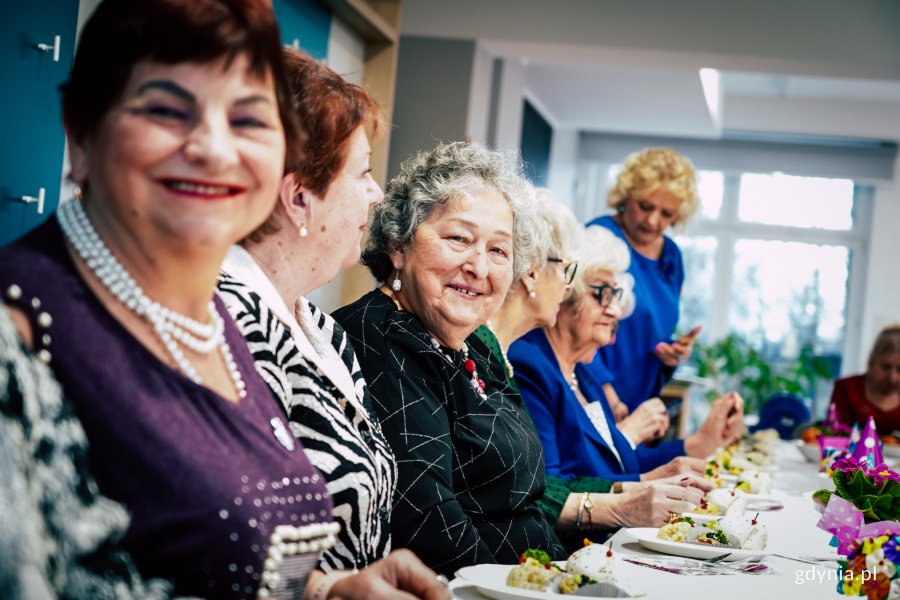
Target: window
[769, 257]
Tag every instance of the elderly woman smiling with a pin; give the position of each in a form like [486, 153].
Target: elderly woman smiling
[179, 120]
[574, 420]
[453, 231]
[576, 504]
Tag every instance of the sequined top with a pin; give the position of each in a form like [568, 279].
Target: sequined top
[205, 480]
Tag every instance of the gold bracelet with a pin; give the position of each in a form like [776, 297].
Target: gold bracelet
[321, 588]
[586, 506]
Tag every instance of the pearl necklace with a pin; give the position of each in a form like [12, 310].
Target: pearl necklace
[171, 327]
[468, 365]
[573, 383]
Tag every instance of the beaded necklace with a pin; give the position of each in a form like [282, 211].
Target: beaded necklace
[468, 365]
[172, 328]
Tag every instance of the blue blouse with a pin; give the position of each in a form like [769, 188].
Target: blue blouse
[631, 364]
[572, 445]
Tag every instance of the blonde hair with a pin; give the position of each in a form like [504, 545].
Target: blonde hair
[654, 169]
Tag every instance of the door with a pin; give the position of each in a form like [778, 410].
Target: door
[31, 152]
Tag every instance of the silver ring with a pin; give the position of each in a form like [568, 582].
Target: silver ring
[443, 581]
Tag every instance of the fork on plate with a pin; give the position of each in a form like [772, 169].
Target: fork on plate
[714, 559]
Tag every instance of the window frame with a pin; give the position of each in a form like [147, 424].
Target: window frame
[727, 230]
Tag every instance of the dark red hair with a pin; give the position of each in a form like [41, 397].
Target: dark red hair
[122, 33]
[329, 109]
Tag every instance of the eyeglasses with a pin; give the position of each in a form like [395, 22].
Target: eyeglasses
[569, 268]
[606, 293]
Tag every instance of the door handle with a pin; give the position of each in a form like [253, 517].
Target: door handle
[54, 47]
[31, 199]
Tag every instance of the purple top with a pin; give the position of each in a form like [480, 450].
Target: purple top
[205, 480]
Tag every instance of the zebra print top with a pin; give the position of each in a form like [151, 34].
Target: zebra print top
[339, 432]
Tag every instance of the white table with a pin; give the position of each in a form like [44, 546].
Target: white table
[792, 531]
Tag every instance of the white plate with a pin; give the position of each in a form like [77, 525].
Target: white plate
[491, 581]
[646, 537]
[703, 519]
[890, 451]
[762, 502]
[810, 452]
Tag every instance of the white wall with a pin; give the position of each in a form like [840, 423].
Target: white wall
[509, 105]
[563, 167]
[816, 37]
[346, 52]
[479, 107]
[882, 289]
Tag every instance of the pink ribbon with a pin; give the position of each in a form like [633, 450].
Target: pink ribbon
[847, 524]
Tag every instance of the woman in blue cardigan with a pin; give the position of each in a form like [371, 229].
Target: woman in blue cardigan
[569, 409]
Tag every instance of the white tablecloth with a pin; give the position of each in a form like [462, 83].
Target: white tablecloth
[792, 532]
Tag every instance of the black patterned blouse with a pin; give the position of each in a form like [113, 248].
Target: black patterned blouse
[471, 469]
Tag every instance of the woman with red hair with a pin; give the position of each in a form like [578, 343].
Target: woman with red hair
[179, 118]
[307, 360]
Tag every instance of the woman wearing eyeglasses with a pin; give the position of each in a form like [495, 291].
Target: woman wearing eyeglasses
[568, 406]
[574, 505]
[534, 297]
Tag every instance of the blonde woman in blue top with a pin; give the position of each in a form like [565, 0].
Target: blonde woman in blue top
[656, 190]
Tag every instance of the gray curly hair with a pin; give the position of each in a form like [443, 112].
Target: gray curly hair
[602, 251]
[428, 180]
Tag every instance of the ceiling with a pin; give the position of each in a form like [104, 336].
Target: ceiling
[634, 67]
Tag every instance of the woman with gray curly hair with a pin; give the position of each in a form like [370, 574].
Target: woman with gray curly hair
[453, 232]
[573, 418]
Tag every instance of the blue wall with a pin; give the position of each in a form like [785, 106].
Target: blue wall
[31, 155]
[537, 135]
[307, 21]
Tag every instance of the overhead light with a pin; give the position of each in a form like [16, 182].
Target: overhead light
[712, 91]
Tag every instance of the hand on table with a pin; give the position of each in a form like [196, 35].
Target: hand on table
[648, 421]
[649, 504]
[400, 575]
[678, 466]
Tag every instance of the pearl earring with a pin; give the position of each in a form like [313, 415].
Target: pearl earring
[303, 231]
[396, 284]
[532, 294]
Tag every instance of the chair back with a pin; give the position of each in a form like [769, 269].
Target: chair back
[782, 412]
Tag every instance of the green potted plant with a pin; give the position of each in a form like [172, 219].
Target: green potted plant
[733, 364]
